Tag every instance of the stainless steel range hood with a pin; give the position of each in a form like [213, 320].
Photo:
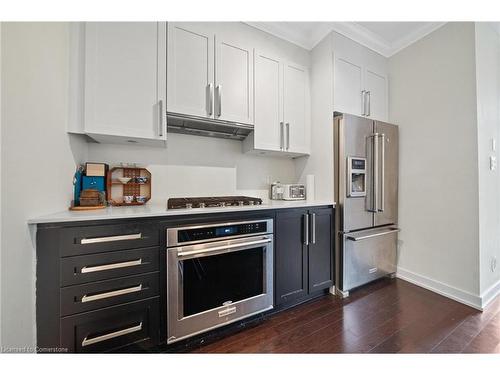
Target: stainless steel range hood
[206, 127]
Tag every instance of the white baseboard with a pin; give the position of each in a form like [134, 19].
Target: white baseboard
[490, 294]
[438, 287]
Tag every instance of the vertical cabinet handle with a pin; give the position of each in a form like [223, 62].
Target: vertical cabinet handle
[282, 136]
[219, 100]
[160, 118]
[287, 136]
[363, 103]
[306, 229]
[382, 174]
[210, 99]
[368, 103]
[313, 228]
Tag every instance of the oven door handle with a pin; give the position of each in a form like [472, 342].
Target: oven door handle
[183, 254]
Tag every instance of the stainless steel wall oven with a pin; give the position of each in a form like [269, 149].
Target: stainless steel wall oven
[217, 273]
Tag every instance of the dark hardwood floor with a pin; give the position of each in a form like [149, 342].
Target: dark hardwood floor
[389, 316]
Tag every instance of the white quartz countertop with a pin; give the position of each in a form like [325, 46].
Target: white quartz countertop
[151, 210]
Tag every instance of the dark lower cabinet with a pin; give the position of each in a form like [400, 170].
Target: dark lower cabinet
[101, 287]
[321, 252]
[290, 257]
[112, 328]
[303, 254]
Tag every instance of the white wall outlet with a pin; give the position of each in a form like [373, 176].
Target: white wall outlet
[493, 144]
[493, 162]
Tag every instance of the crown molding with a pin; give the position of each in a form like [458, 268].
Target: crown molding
[279, 30]
[351, 30]
[369, 39]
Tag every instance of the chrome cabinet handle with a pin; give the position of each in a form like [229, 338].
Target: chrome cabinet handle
[287, 136]
[86, 341]
[160, 118]
[181, 253]
[219, 100]
[282, 136]
[313, 228]
[363, 103]
[125, 237]
[210, 99]
[360, 238]
[382, 174]
[114, 293]
[111, 266]
[368, 103]
[306, 229]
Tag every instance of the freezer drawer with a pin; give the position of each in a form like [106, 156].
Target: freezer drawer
[368, 255]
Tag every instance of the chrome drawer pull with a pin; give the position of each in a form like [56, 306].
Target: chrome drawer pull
[114, 293]
[112, 266]
[112, 335]
[125, 237]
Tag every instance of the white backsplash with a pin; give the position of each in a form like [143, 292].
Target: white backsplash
[199, 166]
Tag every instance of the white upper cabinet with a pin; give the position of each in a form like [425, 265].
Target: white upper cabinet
[233, 81]
[282, 107]
[296, 108]
[190, 77]
[125, 81]
[268, 128]
[209, 75]
[348, 86]
[376, 93]
[359, 89]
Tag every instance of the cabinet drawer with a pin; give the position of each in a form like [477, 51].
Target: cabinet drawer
[102, 238]
[112, 328]
[369, 255]
[87, 268]
[92, 296]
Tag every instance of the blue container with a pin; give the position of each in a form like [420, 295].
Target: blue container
[93, 182]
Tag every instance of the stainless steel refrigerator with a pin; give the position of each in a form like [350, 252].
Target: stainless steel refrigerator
[366, 192]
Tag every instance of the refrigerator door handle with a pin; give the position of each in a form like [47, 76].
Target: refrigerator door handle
[375, 172]
[372, 235]
[382, 174]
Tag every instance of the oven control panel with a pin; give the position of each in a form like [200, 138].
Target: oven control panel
[206, 233]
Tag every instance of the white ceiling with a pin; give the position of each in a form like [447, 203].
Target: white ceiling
[386, 38]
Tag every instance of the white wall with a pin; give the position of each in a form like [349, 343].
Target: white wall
[433, 100]
[38, 159]
[488, 122]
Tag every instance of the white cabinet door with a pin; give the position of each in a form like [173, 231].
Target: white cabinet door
[296, 108]
[268, 120]
[125, 79]
[190, 67]
[348, 86]
[234, 81]
[376, 87]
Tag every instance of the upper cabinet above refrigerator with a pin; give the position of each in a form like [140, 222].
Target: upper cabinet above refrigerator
[359, 89]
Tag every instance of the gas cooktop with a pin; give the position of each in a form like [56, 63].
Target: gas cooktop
[202, 202]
